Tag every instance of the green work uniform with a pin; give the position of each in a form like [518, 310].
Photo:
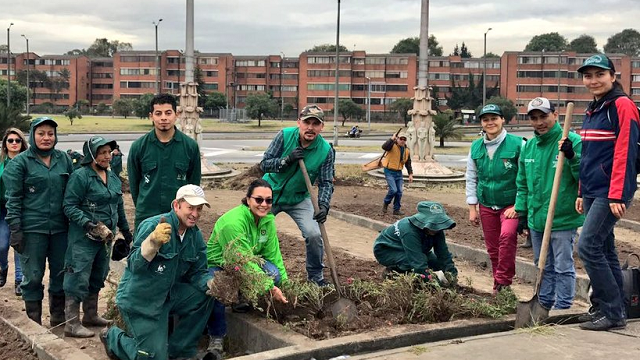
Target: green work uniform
[405, 247]
[535, 181]
[173, 283]
[88, 199]
[238, 226]
[34, 205]
[157, 170]
[116, 164]
[76, 159]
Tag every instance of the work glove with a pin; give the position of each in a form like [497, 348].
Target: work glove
[294, 156]
[567, 149]
[122, 247]
[16, 239]
[161, 234]
[522, 224]
[98, 232]
[321, 215]
[128, 237]
[442, 279]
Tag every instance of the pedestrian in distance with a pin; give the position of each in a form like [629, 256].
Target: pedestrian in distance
[536, 172]
[290, 195]
[13, 143]
[166, 275]
[161, 161]
[95, 208]
[35, 181]
[397, 156]
[249, 229]
[608, 171]
[492, 167]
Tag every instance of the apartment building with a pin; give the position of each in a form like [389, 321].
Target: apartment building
[101, 82]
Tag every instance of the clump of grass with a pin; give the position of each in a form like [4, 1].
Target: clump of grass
[112, 312]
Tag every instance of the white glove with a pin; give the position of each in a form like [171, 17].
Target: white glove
[441, 278]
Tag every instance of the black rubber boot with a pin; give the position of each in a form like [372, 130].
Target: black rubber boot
[90, 309]
[385, 208]
[72, 327]
[34, 310]
[56, 310]
[3, 276]
[103, 340]
[18, 290]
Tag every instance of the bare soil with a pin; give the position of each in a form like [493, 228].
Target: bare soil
[12, 346]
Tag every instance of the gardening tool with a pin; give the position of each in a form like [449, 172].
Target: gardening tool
[377, 162]
[343, 308]
[531, 312]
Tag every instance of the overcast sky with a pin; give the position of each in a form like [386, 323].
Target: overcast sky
[258, 27]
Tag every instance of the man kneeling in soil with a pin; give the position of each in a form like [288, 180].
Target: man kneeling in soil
[417, 243]
[166, 275]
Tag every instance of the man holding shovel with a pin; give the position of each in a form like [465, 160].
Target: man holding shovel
[535, 181]
[290, 194]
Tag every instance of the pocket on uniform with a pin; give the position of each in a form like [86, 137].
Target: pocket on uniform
[181, 172]
[148, 171]
[33, 186]
[509, 161]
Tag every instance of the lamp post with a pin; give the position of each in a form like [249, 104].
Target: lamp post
[28, 83]
[484, 70]
[9, 66]
[369, 101]
[335, 101]
[281, 94]
[157, 58]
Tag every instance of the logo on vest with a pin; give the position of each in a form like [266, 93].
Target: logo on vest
[181, 177]
[147, 179]
[508, 164]
[436, 209]
[161, 268]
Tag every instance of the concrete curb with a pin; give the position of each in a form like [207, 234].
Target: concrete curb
[630, 224]
[525, 269]
[47, 345]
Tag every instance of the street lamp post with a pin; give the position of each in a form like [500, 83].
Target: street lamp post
[28, 83]
[369, 101]
[157, 58]
[281, 94]
[9, 66]
[484, 70]
[335, 101]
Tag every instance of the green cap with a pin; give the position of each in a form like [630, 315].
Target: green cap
[43, 120]
[91, 146]
[599, 61]
[490, 109]
[431, 215]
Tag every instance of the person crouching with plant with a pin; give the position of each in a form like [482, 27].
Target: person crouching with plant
[246, 230]
[417, 244]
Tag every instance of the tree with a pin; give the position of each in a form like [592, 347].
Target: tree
[101, 108]
[456, 51]
[3, 48]
[72, 113]
[102, 47]
[198, 78]
[464, 52]
[12, 117]
[259, 105]
[18, 95]
[60, 82]
[216, 100]
[469, 97]
[348, 109]
[445, 126]
[141, 105]
[122, 107]
[412, 46]
[401, 106]
[327, 48]
[82, 105]
[584, 44]
[490, 55]
[508, 108]
[626, 42]
[548, 42]
[287, 109]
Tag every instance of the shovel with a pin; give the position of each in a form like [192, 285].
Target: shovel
[531, 313]
[343, 308]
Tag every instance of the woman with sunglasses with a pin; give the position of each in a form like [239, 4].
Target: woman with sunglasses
[248, 229]
[397, 156]
[13, 143]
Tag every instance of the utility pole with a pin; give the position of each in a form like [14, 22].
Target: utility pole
[9, 66]
[335, 101]
[281, 94]
[28, 83]
[484, 70]
[157, 59]
[369, 102]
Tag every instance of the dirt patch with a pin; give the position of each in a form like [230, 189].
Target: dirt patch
[12, 346]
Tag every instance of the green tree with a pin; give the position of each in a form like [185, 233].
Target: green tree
[122, 107]
[548, 42]
[12, 117]
[445, 126]
[348, 109]
[626, 42]
[72, 113]
[82, 105]
[491, 55]
[401, 106]
[456, 51]
[60, 82]
[412, 46]
[508, 108]
[470, 96]
[288, 109]
[327, 48]
[584, 44]
[101, 108]
[216, 100]
[464, 52]
[141, 105]
[259, 105]
[18, 95]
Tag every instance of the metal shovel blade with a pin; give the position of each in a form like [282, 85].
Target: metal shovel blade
[343, 309]
[530, 313]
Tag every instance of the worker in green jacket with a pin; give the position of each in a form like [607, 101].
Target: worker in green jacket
[535, 181]
[166, 275]
[417, 243]
[249, 229]
[116, 161]
[93, 203]
[161, 161]
[35, 182]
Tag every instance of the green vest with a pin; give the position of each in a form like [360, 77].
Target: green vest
[291, 177]
[497, 176]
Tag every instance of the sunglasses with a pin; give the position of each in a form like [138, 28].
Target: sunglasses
[17, 141]
[259, 200]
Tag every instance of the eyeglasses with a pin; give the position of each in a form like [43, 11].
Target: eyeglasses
[259, 200]
[17, 141]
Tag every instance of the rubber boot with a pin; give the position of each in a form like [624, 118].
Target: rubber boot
[385, 207]
[56, 310]
[103, 340]
[18, 290]
[34, 310]
[527, 242]
[90, 310]
[3, 276]
[72, 327]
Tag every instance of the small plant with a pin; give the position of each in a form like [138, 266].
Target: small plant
[418, 350]
[112, 312]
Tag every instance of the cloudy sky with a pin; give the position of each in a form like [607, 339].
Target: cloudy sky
[255, 27]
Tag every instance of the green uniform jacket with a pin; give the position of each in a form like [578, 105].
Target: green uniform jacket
[497, 176]
[35, 192]
[116, 164]
[87, 198]
[3, 189]
[403, 236]
[157, 170]
[146, 286]
[238, 226]
[535, 180]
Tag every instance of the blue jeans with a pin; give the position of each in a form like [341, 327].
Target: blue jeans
[597, 251]
[558, 285]
[217, 324]
[302, 215]
[5, 233]
[395, 181]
